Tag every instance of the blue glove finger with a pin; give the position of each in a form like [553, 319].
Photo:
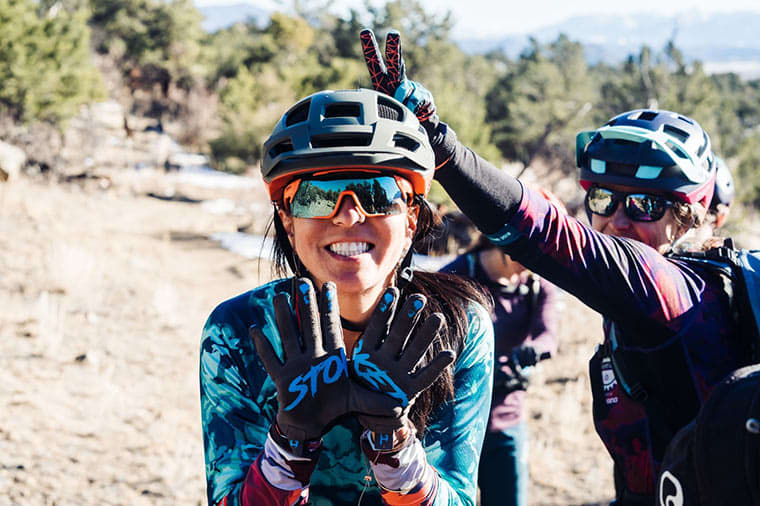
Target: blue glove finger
[382, 316]
[287, 326]
[332, 333]
[308, 316]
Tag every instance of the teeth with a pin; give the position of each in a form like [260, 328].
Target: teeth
[349, 249]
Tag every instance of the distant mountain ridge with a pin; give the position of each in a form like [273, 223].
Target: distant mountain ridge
[723, 41]
[717, 39]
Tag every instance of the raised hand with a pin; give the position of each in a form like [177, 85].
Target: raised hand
[389, 75]
[384, 359]
[312, 380]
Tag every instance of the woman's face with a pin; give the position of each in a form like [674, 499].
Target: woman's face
[657, 234]
[359, 254]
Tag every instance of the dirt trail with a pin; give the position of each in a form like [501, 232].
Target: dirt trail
[104, 293]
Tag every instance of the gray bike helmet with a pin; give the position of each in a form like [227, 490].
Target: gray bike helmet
[724, 185]
[347, 130]
[650, 149]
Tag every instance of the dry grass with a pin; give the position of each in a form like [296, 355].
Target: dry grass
[104, 294]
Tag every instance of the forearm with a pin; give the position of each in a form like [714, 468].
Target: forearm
[487, 195]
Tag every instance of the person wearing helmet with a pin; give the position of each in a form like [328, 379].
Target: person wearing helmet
[669, 332]
[344, 394]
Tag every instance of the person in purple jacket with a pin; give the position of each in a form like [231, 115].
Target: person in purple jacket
[524, 320]
[670, 335]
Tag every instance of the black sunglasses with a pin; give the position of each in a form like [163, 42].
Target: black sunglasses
[638, 206]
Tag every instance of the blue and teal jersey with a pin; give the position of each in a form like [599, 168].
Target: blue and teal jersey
[239, 404]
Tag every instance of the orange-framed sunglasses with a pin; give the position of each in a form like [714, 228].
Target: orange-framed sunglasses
[320, 197]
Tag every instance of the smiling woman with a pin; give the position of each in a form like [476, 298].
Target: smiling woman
[386, 368]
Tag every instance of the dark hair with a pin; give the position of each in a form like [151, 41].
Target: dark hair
[446, 293]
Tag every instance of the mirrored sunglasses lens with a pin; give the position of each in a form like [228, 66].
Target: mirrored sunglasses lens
[601, 201]
[377, 196]
[642, 207]
[311, 201]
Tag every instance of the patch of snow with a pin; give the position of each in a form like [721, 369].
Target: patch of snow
[218, 206]
[246, 245]
[207, 177]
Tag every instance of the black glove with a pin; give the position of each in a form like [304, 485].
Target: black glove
[312, 381]
[524, 356]
[313, 386]
[389, 76]
[385, 357]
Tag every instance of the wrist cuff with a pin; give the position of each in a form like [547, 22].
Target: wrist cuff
[403, 470]
[308, 449]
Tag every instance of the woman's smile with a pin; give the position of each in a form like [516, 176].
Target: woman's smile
[349, 249]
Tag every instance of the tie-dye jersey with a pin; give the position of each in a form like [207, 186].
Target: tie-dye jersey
[239, 404]
[673, 321]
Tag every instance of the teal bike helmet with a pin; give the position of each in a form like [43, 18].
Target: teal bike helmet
[651, 149]
[357, 131]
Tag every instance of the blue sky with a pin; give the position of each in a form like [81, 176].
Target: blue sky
[484, 18]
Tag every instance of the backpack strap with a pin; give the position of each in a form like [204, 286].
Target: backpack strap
[629, 374]
[749, 263]
[741, 269]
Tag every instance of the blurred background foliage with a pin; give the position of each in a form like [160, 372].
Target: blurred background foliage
[227, 89]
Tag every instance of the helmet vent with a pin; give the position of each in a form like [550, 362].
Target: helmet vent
[687, 120]
[388, 110]
[623, 169]
[702, 148]
[676, 132]
[299, 114]
[678, 151]
[624, 142]
[402, 141]
[647, 115]
[342, 110]
[340, 140]
[280, 148]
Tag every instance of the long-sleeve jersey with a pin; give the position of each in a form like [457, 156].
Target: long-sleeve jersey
[671, 321]
[239, 405]
[523, 314]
